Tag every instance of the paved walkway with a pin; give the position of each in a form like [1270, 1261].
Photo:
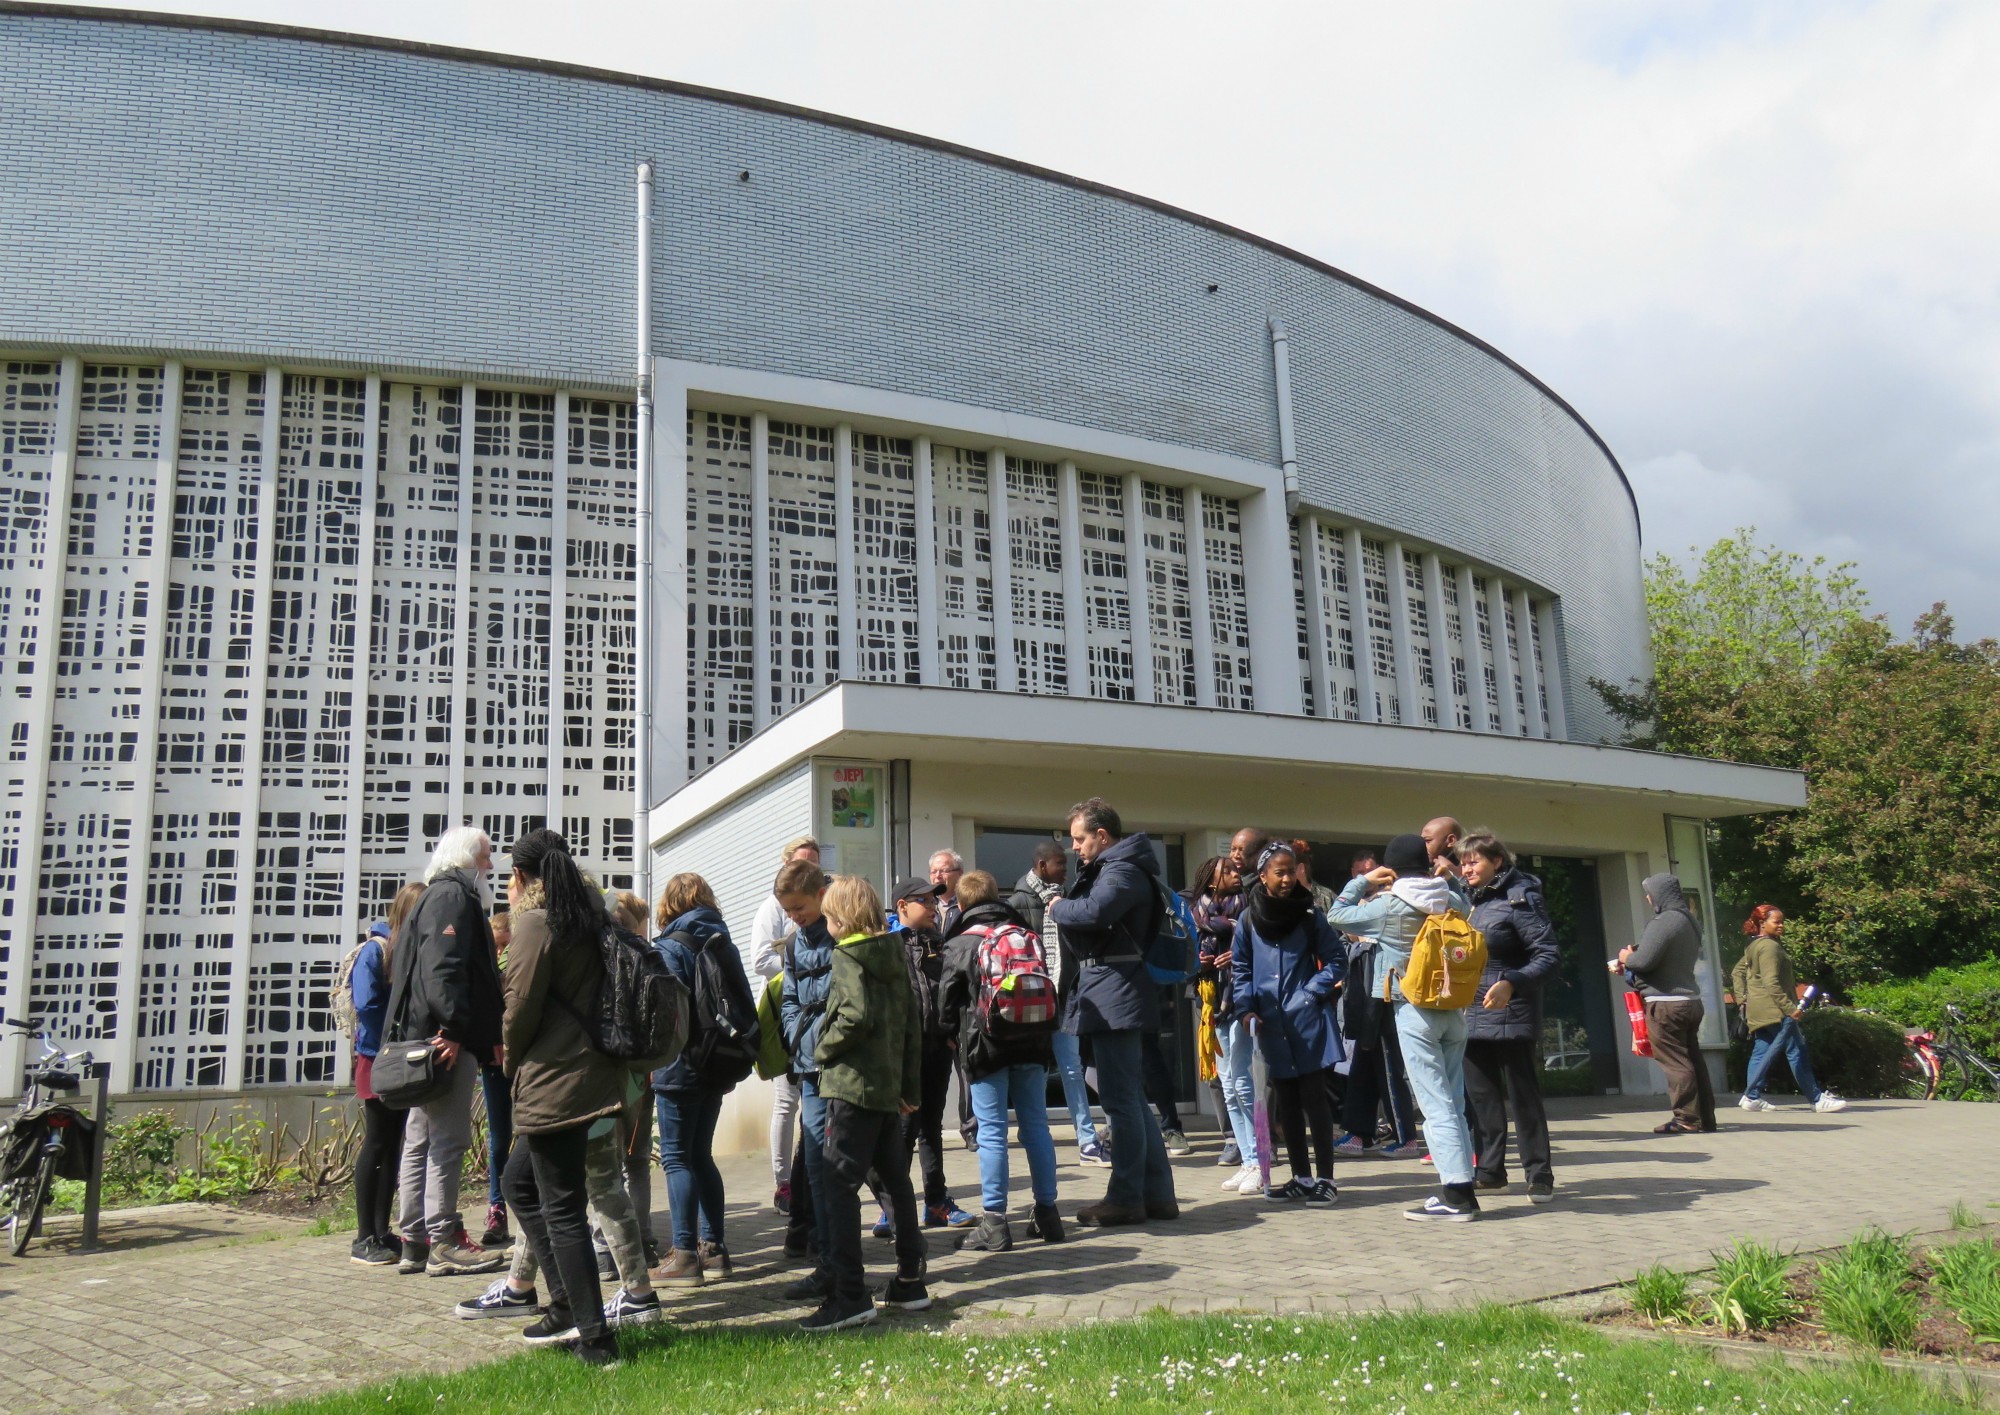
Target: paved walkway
[197, 1309]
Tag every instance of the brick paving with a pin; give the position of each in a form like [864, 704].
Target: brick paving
[191, 1308]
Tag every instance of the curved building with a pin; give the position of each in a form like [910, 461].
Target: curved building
[974, 489]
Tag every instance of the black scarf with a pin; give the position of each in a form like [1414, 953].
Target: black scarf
[1275, 918]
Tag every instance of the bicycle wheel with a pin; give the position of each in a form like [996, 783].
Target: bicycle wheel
[1963, 1079]
[31, 1191]
[1920, 1074]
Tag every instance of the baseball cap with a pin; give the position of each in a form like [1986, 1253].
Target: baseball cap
[910, 887]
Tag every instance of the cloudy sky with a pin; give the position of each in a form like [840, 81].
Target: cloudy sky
[1757, 245]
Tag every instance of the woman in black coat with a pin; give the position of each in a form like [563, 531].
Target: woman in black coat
[1503, 1030]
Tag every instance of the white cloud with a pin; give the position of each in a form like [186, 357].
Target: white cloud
[1752, 242]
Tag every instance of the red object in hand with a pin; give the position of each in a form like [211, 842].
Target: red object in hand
[1642, 1039]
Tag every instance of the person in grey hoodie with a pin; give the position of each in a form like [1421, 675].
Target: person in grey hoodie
[1662, 967]
[1390, 905]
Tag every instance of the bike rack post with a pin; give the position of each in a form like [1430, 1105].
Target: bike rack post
[100, 1115]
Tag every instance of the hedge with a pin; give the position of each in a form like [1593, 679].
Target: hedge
[1919, 1002]
[1853, 1054]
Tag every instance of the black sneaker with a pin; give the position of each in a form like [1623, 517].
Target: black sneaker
[416, 1256]
[838, 1314]
[798, 1243]
[1489, 1186]
[550, 1329]
[1323, 1195]
[1047, 1224]
[810, 1288]
[370, 1253]
[906, 1294]
[601, 1352]
[1292, 1191]
[1442, 1210]
[1542, 1191]
[498, 1300]
[625, 1310]
[607, 1269]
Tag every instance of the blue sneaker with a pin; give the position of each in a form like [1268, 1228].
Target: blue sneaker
[1408, 1150]
[1094, 1155]
[947, 1215]
[885, 1227]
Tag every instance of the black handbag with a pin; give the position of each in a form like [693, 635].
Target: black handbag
[1739, 1025]
[407, 1074]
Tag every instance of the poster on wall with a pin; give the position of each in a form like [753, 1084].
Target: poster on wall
[850, 817]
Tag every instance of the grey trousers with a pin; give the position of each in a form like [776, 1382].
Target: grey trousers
[611, 1214]
[434, 1144]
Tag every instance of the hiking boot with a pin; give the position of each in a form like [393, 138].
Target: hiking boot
[370, 1253]
[550, 1329]
[1232, 1157]
[1047, 1224]
[498, 1300]
[947, 1215]
[715, 1264]
[838, 1314]
[906, 1294]
[1093, 1155]
[496, 1234]
[1108, 1215]
[813, 1287]
[781, 1199]
[416, 1255]
[1163, 1210]
[601, 1352]
[1177, 1143]
[681, 1269]
[992, 1236]
[460, 1258]
[625, 1310]
[1442, 1209]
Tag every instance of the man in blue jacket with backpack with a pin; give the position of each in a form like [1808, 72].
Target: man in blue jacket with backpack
[1108, 919]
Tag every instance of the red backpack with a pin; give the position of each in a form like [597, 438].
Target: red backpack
[1017, 997]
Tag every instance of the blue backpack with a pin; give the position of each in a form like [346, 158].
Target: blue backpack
[1173, 953]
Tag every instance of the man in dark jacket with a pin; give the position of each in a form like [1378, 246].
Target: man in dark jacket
[915, 902]
[1108, 917]
[1504, 1029]
[445, 987]
[1663, 963]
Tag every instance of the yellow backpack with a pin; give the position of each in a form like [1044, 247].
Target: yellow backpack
[1446, 962]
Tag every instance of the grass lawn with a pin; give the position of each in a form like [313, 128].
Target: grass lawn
[1493, 1359]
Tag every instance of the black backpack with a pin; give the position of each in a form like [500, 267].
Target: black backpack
[723, 1035]
[641, 1013]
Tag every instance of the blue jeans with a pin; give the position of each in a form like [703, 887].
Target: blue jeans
[1140, 1173]
[1764, 1044]
[1069, 1061]
[1025, 1087]
[499, 1093]
[812, 1143]
[1239, 1091]
[1434, 1052]
[687, 1154]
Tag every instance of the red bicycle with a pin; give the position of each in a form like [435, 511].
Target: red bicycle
[1940, 1065]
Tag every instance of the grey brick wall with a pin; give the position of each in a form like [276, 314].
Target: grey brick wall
[189, 187]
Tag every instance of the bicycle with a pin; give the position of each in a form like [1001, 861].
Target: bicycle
[45, 1139]
[1940, 1064]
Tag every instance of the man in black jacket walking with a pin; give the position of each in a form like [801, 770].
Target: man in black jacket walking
[1107, 919]
[446, 989]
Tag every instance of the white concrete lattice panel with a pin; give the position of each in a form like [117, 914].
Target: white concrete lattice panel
[506, 707]
[1336, 613]
[720, 590]
[1483, 617]
[1381, 630]
[805, 603]
[1107, 600]
[885, 552]
[1228, 599]
[1035, 571]
[1420, 636]
[1541, 669]
[963, 507]
[191, 965]
[1301, 588]
[1169, 597]
[1454, 648]
[1514, 657]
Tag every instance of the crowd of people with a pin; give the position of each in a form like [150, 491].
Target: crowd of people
[1330, 1024]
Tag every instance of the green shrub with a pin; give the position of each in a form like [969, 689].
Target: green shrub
[1750, 1290]
[1864, 1292]
[1661, 1294]
[140, 1153]
[1920, 1002]
[1967, 1276]
[1852, 1053]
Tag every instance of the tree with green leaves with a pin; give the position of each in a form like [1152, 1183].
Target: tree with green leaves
[1761, 656]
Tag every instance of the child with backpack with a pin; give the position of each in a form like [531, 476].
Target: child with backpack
[916, 905]
[1001, 1002]
[1428, 962]
[1285, 968]
[722, 1049]
[869, 1055]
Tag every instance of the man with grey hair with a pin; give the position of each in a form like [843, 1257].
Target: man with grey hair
[946, 866]
[444, 974]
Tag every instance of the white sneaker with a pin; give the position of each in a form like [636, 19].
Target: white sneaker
[1249, 1180]
[1233, 1180]
[1828, 1103]
[1755, 1103]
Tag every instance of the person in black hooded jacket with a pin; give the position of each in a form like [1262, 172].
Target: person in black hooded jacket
[1504, 1028]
